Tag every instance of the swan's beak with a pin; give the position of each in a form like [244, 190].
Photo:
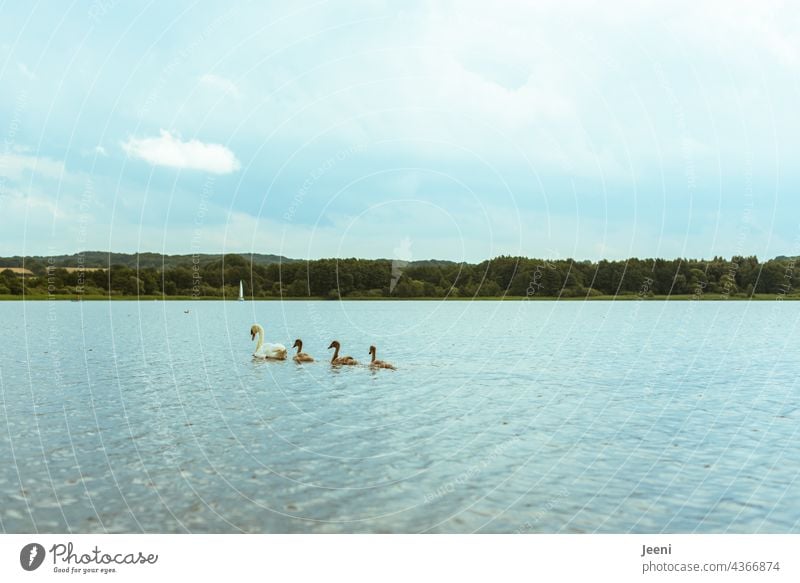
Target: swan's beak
[331, 346]
[252, 336]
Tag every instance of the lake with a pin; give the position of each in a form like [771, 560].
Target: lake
[515, 416]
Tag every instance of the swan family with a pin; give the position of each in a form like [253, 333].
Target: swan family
[277, 351]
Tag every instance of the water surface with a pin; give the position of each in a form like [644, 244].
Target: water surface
[502, 417]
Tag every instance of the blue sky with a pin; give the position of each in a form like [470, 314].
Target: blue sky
[434, 129]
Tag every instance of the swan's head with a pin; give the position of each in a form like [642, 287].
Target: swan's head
[253, 331]
[372, 349]
[298, 344]
[334, 344]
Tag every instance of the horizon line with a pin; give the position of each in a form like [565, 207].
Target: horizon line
[294, 259]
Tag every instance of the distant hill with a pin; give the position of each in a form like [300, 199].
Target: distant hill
[158, 260]
[433, 263]
[132, 260]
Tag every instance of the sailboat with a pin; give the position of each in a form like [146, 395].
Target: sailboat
[241, 291]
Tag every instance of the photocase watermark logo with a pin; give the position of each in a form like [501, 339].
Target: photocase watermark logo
[67, 559]
[31, 556]
[402, 257]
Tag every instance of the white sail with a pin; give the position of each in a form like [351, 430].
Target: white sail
[241, 291]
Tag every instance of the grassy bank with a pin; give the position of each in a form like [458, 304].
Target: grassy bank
[602, 298]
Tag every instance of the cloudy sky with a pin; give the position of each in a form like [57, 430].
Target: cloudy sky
[457, 130]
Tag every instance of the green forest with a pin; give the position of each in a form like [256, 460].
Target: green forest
[269, 276]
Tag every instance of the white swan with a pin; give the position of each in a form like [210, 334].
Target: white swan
[266, 349]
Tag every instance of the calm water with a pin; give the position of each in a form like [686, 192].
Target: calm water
[502, 417]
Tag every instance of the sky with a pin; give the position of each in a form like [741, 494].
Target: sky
[451, 130]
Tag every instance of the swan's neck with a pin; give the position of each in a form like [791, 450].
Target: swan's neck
[299, 347]
[260, 338]
[373, 353]
[335, 353]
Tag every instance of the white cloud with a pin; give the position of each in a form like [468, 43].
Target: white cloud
[15, 166]
[751, 33]
[100, 150]
[169, 150]
[221, 84]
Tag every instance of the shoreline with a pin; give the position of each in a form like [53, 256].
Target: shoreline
[623, 298]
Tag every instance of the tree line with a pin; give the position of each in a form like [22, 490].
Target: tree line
[340, 278]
